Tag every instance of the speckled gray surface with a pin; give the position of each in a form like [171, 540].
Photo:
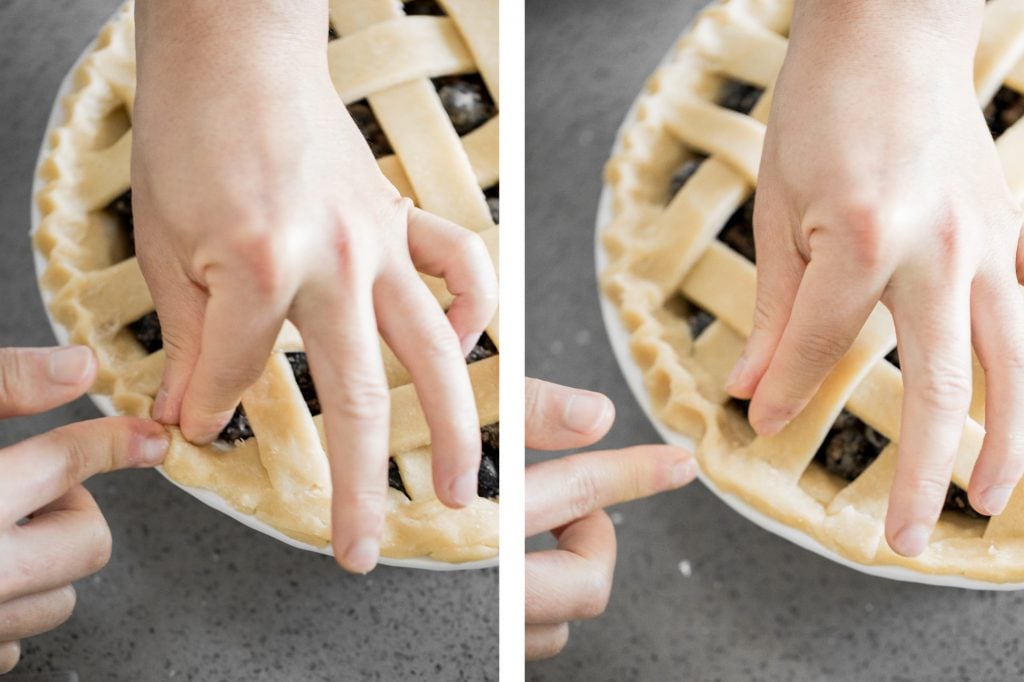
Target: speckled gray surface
[190, 594]
[754, 607]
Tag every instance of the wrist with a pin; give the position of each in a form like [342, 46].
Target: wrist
[880, 34]
[210, 36]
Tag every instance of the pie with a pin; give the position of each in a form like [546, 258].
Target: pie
[421, 81]
[681, 273]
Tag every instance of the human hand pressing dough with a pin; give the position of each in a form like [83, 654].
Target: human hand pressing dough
[256, 199]
[880, 181]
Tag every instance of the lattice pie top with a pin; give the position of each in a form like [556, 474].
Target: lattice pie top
[687, 298]
[423, 84]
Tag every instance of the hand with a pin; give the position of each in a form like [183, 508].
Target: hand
[566, 496]
[880, 181]
[256, 199]
[65, 537]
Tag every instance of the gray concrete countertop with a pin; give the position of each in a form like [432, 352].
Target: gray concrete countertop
[191, 594]
[755, 607]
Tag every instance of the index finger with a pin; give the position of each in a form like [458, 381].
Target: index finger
[39, 470]
[559, 491]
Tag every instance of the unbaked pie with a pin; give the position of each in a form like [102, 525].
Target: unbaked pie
[681, 272]
[421, 81]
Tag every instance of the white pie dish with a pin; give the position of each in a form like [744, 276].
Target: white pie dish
[619, 339]
[105, 405]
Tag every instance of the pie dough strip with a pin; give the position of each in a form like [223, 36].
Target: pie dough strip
[739, 48]
[409, 428]
[388, 53]
[1001, 46]
[478, 24]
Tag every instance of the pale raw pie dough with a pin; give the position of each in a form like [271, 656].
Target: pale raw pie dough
[660, 246]
[281, 475]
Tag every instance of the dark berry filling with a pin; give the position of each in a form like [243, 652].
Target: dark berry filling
[851, 446]
[740, 97]
[683, 174]
[483, 349]
[366, 120]
[331, 33]
[894, 357]
[487, 483]
[1004, 110]
[491, 194]
[696, 317]
[147, 332]
[738, 232]
[466, 100]
[424, 7]
[121, 209]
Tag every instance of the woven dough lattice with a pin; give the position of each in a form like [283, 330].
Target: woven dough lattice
[662, 247]
[96, 290]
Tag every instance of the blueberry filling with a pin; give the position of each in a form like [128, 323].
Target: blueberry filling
[466, 100]
[684, 173]
[121, 209]
[1004, 110]
[851, 446]
[696, 317]
[147, 332]
[483, 349]
[424, 7]
[740, 97]
[491, 194]
[369, 126]
[331, 33]
[738, 232]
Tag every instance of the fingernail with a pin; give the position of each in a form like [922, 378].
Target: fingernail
[362, 556]
[737, 372]
[995, 498]
[463, 489]
[912, 540]
[69, 365]
[153, 449]
[770, 426]
[468, 343]
[159, 405]
[683, 472]
[584, 412]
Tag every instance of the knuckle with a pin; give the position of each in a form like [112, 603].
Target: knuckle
[864, 225]
[582, 490]
[363, 399]
[469, 247]
[13, 380]
[368, 501]
[931, 486]
[946, 393]
[438, 343]
[261, 255]
[820, 349]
